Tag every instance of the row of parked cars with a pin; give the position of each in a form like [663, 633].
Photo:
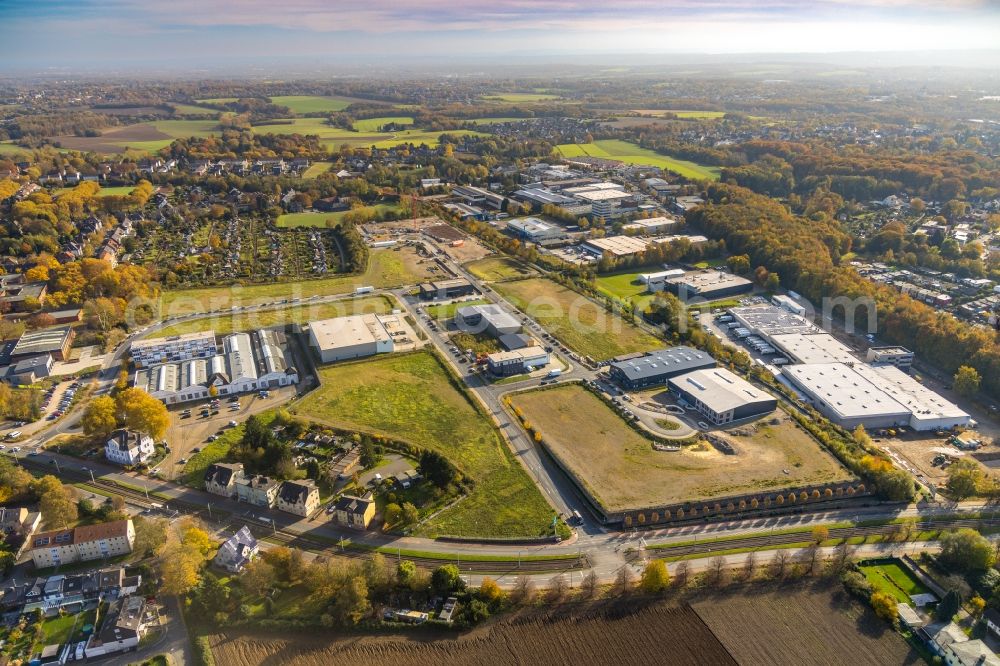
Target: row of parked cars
[64, 402]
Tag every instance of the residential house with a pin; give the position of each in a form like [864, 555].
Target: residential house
[238, 550]
[128, 447]
[298, 497]
[122, 628]
[220, 478]
[354, 512]
[81, 544]
[258, 490]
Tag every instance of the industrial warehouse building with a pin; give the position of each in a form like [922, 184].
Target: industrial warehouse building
[344, 338]
[901, 357]
[516, 362]
[875, 397]
[153, 351]
[655, 368]
[54, 341]
[708, 285]
[446, 289]
[534, 230]
[657, 281]
[246, 362]
[770, 320]
[720, 396]
[811, 348]
[652, 226]
[490, 319]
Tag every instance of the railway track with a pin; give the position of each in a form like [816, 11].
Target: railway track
[769, 541]
[264, 531]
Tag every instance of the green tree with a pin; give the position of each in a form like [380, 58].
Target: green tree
[967, 380]
[393, 513]
[964, 479]
[739, 264]
[352, 605]
[410, 513]
[655, 577]
[966, 550]
[446, 580]
[406, 573]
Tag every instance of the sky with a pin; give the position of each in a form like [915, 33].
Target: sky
[67, 33]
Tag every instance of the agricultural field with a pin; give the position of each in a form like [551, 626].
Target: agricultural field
[629, 153]
[317, 169]
[493, 269]
[386, 268]
[375, 124]
[446, 311]
[817, 625]
[893, 578]
[10, 148]
[191, 109]
[580, 323]
[413, 398]
[148, 137]
[495, 121]
[621, 468]
[517, 97]
[566, 635]
[312, 103]
[332, 136]
[294, 314]
[317, 219]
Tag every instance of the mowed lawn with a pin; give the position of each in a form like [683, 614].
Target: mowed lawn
[386, 268]
[622, 469]
[629, 153]
[892, 578]
[295, 314]
[580, 323]
[493, 269]
[317, 219]
[411, 397]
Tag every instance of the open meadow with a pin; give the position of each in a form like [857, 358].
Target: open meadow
[520, 97]
[629, 153]
[626, 288]
[318, 219]
[376, 124]
[412, 397]
[386, 268]
[620, 467]
[580, 323]
[493, 269]
[294, 314]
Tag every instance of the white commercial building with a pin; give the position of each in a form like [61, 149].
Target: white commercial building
[875, 397]
[616, 246]
[812, 348]
[173, 348]
[657, 281]
[356, 336]
[246, 362]
[721, 396]
[651, 226]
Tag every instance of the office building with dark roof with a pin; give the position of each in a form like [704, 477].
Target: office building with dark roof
[657, 367]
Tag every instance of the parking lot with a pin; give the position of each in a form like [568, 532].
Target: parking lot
[185, 434]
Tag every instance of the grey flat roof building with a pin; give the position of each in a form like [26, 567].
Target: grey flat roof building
[489, 318]
[657, 367]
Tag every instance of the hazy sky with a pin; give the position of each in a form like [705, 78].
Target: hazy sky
[78, 32]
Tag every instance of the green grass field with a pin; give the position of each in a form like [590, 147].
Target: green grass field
[295, 314]
[614, 149]
[580, 323]
[411, 397]
[332, 136]
[387, 268]
[191, 109]
[317, 169]
[312, 103]
[516, 97]
[681, 113]
[894, 579]
[315, 219]
[492, 269]
[446, 311]
[625, 287]
[373, 124]
[9, 148]
[104, 192]
[494, 121]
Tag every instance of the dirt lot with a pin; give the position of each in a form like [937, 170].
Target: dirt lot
[621, 467]
[815, 625]
[184, 435]
[611, 635]
[916, 452]
[386, 229]
[470, 250]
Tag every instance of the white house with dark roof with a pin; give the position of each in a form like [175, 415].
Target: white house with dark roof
[237, 551]
[128, 447]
